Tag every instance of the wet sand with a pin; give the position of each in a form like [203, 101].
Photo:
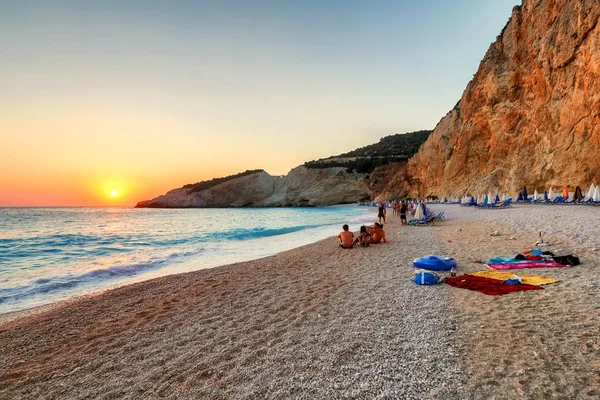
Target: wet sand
[323, 322]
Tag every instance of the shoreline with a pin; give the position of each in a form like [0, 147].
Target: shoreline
[322, 322]
[234, 252]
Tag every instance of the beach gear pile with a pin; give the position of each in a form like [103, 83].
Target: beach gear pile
[533, 258]
[495, 281]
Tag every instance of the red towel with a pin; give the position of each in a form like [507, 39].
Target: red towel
[492, 287]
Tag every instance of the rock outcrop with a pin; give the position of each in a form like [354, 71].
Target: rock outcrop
[531, 114]
[301, 187]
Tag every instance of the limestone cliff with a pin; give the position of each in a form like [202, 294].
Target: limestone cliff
[301, 187]
[531, 114]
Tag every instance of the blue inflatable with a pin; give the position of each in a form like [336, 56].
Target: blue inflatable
[426, 278]
[435, 263]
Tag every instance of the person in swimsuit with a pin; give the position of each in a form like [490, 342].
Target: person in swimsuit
[381, 213]
[403, 210]
[346, 238]
[377, 233]
[364, 239]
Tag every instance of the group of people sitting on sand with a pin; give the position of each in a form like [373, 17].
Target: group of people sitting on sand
[368, 235]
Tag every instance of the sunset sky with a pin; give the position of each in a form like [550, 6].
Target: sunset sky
[112, 102]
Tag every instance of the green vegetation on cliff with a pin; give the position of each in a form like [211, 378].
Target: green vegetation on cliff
[393, 148]
[200, 186]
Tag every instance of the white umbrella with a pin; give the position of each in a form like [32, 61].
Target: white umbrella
[535, 194]
[590, 193]
[597, 195]
[419, 212]
[551, 194]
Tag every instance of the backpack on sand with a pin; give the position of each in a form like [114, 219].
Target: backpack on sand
[426, 278]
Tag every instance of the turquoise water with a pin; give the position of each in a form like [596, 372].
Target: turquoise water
[51, 254]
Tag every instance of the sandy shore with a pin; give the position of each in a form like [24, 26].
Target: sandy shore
[323, 322]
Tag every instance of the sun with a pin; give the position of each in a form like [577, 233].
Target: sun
[114, 192]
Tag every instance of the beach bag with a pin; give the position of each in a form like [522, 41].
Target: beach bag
[567, 260]
[426, 278]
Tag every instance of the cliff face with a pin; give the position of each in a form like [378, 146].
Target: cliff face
[383, 181]
[301, 187]
[531, 114]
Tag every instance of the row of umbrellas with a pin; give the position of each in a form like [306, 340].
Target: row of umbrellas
[593, 194]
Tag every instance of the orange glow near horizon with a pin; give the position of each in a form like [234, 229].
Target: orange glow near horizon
[149, 98]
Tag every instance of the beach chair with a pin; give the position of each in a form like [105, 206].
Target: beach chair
[502, 204]
[423, 221]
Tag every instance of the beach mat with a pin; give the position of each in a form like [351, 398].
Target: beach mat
[503, 275]
[530, 264]
[489, 286]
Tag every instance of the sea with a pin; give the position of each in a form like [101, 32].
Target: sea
[52, 254]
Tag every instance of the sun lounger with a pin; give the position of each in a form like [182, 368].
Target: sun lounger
[502, 204]
[423, 221]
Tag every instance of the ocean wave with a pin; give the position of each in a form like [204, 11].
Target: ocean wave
[54, 284]
[78, 245]
[256, 233]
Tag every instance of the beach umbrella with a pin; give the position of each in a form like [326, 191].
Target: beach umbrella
[551, 194]
[596, 195]
[525, 194]
[485, 200]
[546, 196]
[578, 195]
[520, 198]
[590, 193]
[497, 199]
[419, 212]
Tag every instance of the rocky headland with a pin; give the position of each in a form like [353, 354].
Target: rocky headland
[359, 175]
[301, 187]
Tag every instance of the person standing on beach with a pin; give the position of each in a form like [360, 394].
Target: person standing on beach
[346, 238]
[403, 210]
[381, 213]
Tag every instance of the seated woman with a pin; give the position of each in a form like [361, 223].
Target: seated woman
[364, 239]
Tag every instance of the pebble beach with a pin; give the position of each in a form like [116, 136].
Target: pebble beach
[323, 322]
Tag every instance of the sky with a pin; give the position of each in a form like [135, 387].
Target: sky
[112, 102]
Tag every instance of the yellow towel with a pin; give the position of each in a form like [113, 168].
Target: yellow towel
[504, 275]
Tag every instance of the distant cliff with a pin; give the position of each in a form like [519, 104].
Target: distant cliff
[301, 187]
[350, 177]
[531, 114]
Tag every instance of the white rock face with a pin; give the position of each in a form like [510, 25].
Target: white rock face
[301, 187]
